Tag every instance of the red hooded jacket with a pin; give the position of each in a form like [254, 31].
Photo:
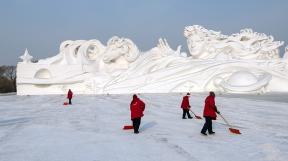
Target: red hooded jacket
[70, 94]
[210, 108]
[185, 103]
[137, 108]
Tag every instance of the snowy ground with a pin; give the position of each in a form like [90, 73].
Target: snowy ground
[40, 128]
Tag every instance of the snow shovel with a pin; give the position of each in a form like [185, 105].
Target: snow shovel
[65, 103]
[128, 127]
[197, 117]
[231, 129]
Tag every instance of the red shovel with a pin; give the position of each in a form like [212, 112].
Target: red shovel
[128, 127]
[65, 103]
[231, 129]
[197, 117]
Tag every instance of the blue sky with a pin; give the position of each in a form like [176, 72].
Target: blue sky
[42, 25]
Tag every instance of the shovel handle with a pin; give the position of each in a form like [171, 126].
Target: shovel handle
[192, 112]
[225, 120]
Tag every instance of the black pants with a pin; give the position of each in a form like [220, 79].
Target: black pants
[70, 103]
[136, 124]
[185, 111]
[207, 125]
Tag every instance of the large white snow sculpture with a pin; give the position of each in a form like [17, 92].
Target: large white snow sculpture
[205, 44]
[247, 62]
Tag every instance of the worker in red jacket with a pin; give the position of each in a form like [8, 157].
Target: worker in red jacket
[69, 96]
[185, 105]
[209, 113]
[137, 108]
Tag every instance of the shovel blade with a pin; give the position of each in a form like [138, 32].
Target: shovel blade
[234, 131]
[198, 117]
[128, 127]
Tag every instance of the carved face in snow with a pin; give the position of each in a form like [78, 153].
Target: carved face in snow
[206, 44]
[120, 47]
[195, 45]
[201, 41]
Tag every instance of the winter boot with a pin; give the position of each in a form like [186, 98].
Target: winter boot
[203, 133]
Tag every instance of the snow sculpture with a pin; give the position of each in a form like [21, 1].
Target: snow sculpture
[285, 56]
[207, 44]
[244, 81]
[26, 57]
[76, 52]
[120, 52]
[246, 62]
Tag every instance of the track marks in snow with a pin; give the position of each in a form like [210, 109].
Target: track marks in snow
[163, 139]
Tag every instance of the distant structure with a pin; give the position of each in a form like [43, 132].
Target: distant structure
[246, 62]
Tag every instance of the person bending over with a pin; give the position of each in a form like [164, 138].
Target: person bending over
[185, 105]
[209, 113]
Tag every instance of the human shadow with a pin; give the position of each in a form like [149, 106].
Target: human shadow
[148, 125]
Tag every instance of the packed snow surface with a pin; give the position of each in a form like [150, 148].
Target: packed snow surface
[40, 128]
